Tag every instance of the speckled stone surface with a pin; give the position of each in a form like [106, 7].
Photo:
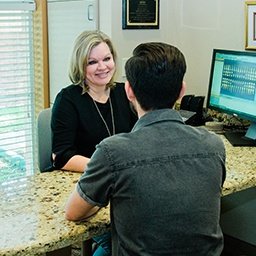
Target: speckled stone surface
[32, 209]
[241, 168]
[32, 218]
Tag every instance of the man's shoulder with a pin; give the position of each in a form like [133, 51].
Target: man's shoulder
[119, 138]
[210, 138]
[117, 143]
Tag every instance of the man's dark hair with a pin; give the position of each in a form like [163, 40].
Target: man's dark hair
[155, 73]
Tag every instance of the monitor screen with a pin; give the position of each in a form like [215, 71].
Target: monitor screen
[232, 90]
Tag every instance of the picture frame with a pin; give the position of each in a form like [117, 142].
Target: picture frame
[140, 14]
[250, 25]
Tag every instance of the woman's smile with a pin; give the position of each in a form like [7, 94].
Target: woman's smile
[100, 67]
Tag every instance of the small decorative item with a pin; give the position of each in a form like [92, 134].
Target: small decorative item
[250, 25]
[140, 14]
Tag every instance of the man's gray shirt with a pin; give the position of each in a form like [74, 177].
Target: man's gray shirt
[163, 181]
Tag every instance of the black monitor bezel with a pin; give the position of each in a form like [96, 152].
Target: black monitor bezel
[242, 115]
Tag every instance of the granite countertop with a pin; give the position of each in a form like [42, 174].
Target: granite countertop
[32, 209]
[241, 168]
[32, 217]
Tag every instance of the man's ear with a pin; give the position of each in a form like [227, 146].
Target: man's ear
[129, 92]
[182, 90]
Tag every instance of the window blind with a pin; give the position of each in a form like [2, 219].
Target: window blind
[17, 5]
[17, 117]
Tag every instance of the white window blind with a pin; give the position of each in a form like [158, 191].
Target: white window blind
[17, 5]
[17, 118]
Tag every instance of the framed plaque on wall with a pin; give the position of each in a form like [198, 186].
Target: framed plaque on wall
[250, 25]
[140, 14]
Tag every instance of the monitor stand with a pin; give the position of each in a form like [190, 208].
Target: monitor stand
[242, 138]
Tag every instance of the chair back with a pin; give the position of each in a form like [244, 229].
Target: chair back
[44, 139]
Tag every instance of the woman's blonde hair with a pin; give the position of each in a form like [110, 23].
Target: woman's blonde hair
[80, 55]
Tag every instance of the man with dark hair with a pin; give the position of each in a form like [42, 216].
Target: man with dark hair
[163, 179]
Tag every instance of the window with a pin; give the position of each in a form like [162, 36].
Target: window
[17, 111]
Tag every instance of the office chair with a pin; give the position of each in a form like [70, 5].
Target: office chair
[44, 139]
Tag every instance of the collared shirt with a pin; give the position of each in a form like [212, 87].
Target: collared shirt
[163, 181]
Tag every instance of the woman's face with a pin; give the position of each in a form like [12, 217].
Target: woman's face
[100, 67]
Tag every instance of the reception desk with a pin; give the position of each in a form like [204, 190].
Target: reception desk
[241, 168]
[32, 218]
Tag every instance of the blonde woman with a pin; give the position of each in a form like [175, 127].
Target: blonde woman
[92, 108]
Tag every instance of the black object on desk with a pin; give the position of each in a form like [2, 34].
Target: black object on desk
[238, 223]
[238, 139]
[194, 105]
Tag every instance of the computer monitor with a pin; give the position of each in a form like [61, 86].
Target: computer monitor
[232, 90]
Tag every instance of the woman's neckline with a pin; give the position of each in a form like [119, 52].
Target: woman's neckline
[102, 99]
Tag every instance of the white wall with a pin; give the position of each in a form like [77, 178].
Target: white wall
[66, 20]
[195, 27]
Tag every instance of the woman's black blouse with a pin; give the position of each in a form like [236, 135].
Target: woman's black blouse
[77, 126]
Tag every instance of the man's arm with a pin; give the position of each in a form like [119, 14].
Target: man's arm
[78, 209]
